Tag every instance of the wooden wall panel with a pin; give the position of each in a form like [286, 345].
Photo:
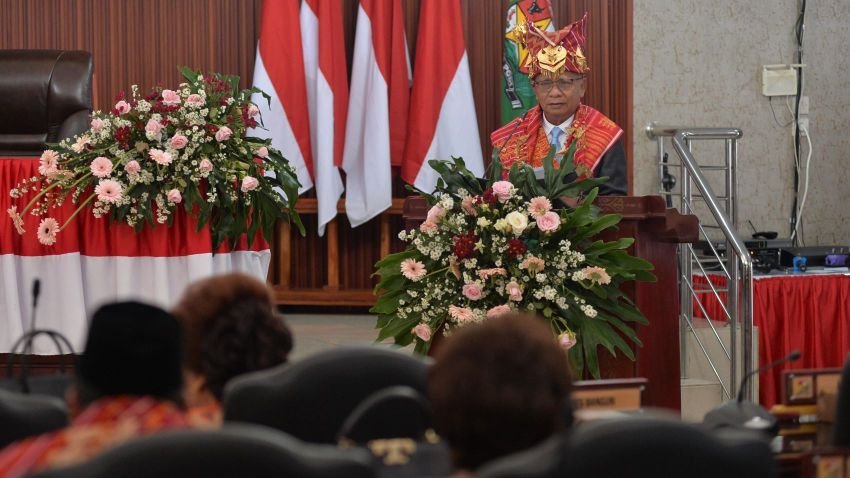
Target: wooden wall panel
[144, 41]
[138, 41]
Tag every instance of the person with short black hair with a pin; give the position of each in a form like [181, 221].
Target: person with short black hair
[499, 387]
[232, 328]
[128, 384]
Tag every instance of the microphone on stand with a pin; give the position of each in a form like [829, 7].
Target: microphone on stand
[748, 415]
[36, 290]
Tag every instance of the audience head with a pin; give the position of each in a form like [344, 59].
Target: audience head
[132, 349]
[231, 328]
[499, 387]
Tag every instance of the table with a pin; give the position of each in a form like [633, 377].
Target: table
[809, 312]
[93, 262]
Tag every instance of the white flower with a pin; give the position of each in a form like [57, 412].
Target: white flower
[483, 222]
[518, 222]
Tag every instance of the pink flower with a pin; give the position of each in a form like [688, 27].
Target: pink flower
[122, 107]
[262, 152]
[194, 100]
[132, 167]
[97, 124]
[468, 205]
[514, 291]
[427, 227]
[567, 340]
[205, 166]
[496, 271]
[101, 167]
[435, 214]
[253, 110]
[16, 219]
[461, 315]
[498, 310]
[533, 264]
[249, 183]
[539, 206]
[161, 157]
[48, 163]
[549, 222]
[47, 231]
[108, 191]
[170, 97]
[423, 331]
[597, 275]
[223, 134]
[153, 127]
[178, 141]
[174, 196]
[473, 291]
[502, 190]
[413, 269]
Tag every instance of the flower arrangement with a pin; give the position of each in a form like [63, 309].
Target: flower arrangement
[487, 249]
[152, 154]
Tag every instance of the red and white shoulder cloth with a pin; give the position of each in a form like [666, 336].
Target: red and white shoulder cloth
[94, 262]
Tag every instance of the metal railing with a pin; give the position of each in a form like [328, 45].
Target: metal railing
[738, 267]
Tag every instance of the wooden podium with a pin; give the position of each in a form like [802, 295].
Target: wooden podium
[657, 231]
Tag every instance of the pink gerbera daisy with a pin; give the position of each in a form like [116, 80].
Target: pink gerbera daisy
[101, 167]
[47, 231]
[48, 163]
[539, 206]
[108, 191]
[413, 269]
[597, 275]
[16, 219]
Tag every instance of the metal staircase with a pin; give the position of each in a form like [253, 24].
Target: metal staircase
[721, 258]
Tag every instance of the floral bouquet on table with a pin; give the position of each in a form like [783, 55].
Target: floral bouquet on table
[485, 250]
[171, 148]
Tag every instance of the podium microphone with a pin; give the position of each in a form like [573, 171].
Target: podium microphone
[747, 415]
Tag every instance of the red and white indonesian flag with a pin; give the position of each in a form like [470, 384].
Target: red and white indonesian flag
[377, 109]
[442, 120]
[279, 71]
[327, 98]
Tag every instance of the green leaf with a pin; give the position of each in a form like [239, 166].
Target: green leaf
[396, 326]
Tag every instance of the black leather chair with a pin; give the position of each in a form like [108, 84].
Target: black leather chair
[640, 447]
[841, 433]
[311, 398]
[46, 97]
[22, 416]
[395, 425]
[393, 412]
[245, 451]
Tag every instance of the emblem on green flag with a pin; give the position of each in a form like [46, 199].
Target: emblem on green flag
[517, 96]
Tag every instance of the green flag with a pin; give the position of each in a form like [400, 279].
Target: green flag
[517, 95]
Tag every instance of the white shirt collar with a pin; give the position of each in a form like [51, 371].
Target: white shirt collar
[547, 126]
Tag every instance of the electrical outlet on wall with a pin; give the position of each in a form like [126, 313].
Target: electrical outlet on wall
[804, 126]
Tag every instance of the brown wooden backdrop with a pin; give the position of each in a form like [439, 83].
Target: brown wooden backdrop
[144, 41]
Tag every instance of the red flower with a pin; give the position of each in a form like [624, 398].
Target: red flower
[464, 245]
[123, 135]
[488, 197]
[516, 248]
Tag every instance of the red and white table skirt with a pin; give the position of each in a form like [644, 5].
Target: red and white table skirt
[94, 262]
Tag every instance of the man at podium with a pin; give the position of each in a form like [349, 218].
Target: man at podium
[558, 68]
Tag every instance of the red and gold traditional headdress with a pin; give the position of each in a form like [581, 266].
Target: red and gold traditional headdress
[553, 53]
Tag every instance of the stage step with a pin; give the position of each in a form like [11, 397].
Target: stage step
[698, 397]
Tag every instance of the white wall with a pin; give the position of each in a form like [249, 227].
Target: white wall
[697, 63]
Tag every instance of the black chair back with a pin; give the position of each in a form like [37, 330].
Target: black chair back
[46, 98]
[641, 447]
[22, 416]
[310, 399]
[240, 450]
[394, 412]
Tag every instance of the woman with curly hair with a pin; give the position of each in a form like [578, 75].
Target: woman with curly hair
[499, 387]
[231, 327]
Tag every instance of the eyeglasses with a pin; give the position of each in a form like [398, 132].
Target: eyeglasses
[563, 84]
